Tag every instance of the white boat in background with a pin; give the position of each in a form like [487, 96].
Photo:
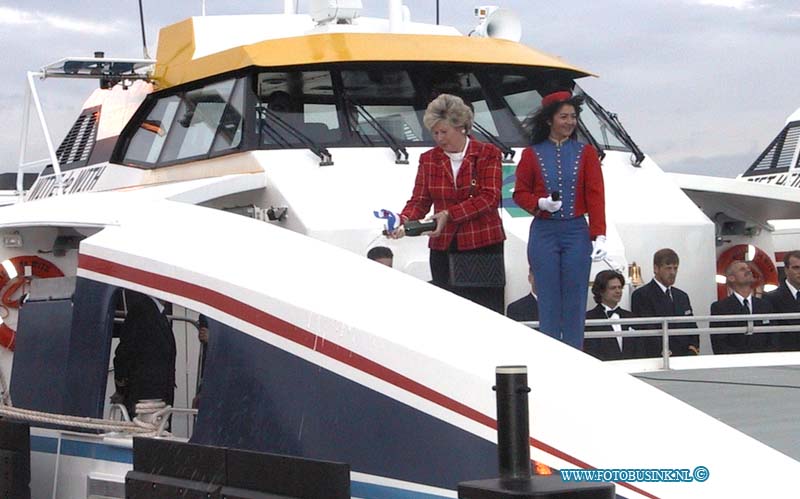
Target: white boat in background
[314, 350]
[778, 163]
[756, 215]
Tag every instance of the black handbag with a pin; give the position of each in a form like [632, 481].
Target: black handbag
[477, 269]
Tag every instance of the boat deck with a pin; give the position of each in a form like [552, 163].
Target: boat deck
[762, 402]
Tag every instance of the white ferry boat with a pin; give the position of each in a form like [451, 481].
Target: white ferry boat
[183, 181]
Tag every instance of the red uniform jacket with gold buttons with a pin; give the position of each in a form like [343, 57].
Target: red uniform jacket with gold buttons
[474, 219]
[589, 198]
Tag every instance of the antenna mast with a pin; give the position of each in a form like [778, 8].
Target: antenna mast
[144, 36]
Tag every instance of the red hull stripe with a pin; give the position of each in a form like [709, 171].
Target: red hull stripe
[305, 338]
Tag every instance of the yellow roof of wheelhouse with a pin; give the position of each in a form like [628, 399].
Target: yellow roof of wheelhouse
[175, 65]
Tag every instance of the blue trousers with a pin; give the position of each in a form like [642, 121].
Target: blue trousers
[559, 252]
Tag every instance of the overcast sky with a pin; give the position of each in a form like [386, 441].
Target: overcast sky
[701, 85]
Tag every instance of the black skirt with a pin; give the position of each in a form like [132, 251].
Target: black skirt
[491, 298]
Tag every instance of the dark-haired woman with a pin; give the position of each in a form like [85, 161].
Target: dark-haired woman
[561, 244]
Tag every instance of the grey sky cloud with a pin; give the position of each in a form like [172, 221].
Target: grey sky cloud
[694, 83]
[11, 17]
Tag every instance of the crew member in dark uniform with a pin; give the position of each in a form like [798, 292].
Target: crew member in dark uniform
[526, 308]
[741, 301]
[660, 298]
[144, 361]
[786, 300]
[607, 292]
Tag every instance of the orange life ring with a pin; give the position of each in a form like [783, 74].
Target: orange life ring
[763, 268]
[27, 267]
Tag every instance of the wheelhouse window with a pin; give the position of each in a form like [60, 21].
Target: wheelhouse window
[379, 101]
[493, 112]
[599, 124]
[198, 120]
[194, 124]
[146, 144]
[229, 132]
[345, 105]
[295, 107]
[520, 95]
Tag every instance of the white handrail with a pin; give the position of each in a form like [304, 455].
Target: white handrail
[32, 95]
[23, 140]
[689, 319]
[665, 322]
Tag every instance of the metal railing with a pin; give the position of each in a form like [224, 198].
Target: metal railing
[97, 68]
[664, 332]
[32, 96]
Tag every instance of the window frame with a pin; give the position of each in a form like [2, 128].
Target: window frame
[509, 127]
[150, 102]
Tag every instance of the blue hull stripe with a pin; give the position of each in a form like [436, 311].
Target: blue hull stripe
[372, 491]
[77, 448]
[103, 452]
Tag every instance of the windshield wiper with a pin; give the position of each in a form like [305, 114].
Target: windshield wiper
[322, 152]
[600, 152]
[400, 152]
[638, 154]
[613, 119]
[508, 153]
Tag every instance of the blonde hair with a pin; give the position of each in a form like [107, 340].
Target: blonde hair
[450, 109]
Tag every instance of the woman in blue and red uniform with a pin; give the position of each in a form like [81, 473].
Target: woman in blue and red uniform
[561, 244]
[462, 179]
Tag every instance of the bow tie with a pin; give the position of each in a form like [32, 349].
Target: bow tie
[611, 312]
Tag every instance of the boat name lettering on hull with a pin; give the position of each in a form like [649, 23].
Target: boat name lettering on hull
[792, 180]
[74, 181]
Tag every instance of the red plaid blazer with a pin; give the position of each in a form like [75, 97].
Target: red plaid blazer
[474, 218]
[590, 196]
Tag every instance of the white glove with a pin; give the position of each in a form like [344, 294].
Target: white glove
[547, 204]
[599, 248]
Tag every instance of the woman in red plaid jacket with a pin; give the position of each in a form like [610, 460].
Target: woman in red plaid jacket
[461, 178]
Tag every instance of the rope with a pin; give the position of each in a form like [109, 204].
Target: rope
[149, 416]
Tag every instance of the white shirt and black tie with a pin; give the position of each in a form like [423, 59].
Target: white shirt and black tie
[794, 291]
[667, 291]
[613, 313]
[747, 302]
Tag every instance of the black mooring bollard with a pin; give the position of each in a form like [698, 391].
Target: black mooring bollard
[513, 447]
[514, 452]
